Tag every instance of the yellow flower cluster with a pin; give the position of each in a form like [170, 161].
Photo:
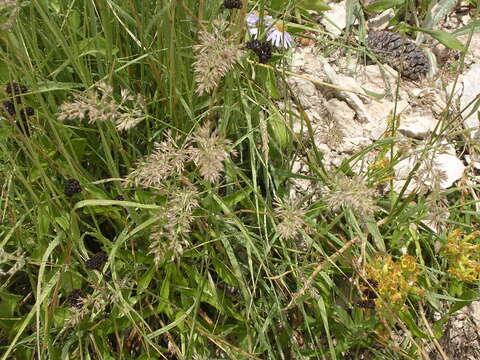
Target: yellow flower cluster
[396, 279]
[463, 254]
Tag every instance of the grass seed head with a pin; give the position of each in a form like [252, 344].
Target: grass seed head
[290, 213]
[215, 55]
[209, 152]
[352, 193]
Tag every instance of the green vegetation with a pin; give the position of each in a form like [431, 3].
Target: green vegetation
[146, 196]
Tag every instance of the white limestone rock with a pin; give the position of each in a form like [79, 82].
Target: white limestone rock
[338, 16]
[417, 125]
[446, 163]
[380, 22]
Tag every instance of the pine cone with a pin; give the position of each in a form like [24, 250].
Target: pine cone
[403, 55]
[97, 261]
[72, 187]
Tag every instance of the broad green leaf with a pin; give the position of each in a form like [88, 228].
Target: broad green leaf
[146, 279]
[8, 303]
[382, 5]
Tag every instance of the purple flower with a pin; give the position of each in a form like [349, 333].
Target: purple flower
[279, 37]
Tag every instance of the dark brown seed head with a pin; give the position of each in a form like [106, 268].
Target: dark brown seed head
[366, 304]
[232, 4]
[75, 298]
[13, 88]
[9, 107]
[97, 261]
[29, 111]
[72, 187]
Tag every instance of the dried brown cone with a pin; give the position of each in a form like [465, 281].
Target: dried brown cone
[401, 54]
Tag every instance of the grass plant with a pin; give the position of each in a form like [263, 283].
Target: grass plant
[147, 209]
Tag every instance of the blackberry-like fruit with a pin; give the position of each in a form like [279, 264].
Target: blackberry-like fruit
[75, 298]
[72, 187]
[263, 49]
[97, 261]
[253, 45]
[366, 304]
[13, 88]
[29, 111]
[9, 107]
[119, 198]
[265, 52]
[403, 55]
[232, 4]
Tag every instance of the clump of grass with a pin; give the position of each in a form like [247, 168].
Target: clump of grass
[181, 239]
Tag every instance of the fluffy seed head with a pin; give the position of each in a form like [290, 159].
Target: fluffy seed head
[353, 194]
[215, 56]
[209, 152]
[290, 213]
[167, 160]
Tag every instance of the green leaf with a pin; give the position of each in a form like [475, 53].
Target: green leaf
[382, 5]
[447, 39]
[316, 5]
[438, 12]
[145, 280]
[468, 28]
[272, 85]
[8, 303]
[412, 326]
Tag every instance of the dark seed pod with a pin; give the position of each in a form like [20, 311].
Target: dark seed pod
[75, 298]
[366, 304]
[29, 111]
[264, 52]
[97, 261]
[263, 49]
[253, 44]
[367, 290]
[72, 187]
[9, 107]
[13, 88]
[403, 55]
[232, 4]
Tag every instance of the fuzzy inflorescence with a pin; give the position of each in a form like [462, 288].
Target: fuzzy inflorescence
[100, 105]
[215, 55]
[209, 152]
[205, 148]
[9, 10]
[169, 236]
[351, 193]
[290, 213]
